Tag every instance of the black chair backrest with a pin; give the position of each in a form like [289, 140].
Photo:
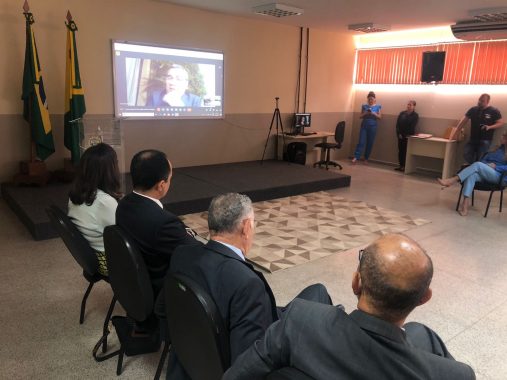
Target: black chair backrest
[128, 275]
[198, 334]
[339, 132]
[75, 241]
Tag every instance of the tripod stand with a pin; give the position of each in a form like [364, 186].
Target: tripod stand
[278, 118]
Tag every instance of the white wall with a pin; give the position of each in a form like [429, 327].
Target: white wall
[260, 63]
[438, 106]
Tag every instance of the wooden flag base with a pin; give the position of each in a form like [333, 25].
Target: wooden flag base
[32, 173]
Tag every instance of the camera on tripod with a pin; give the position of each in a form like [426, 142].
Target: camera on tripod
[277, 121]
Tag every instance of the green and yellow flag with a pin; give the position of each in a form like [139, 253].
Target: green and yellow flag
[75, 106]
[35, 108]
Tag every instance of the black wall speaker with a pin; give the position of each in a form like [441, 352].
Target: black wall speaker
[432, 66]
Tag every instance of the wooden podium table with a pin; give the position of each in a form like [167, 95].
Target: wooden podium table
[435, 147]
[310, 141]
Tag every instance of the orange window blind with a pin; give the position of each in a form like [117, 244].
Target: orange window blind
[482, 62]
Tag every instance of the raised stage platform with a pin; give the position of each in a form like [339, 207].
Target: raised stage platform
[192, 189]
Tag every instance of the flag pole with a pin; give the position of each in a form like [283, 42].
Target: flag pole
[32, 172]
[29, 19]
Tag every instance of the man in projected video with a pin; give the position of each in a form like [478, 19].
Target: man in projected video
[176, 92]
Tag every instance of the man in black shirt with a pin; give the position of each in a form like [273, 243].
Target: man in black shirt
[484, 120]
[405, 126]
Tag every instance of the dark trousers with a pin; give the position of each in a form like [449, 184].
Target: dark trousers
[426, 339]
[402, 150]
[315, 293]
[474, 150]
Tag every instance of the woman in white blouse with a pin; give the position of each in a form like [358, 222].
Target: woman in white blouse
[94, 196]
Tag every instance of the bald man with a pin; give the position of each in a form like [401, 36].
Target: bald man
[372, 342]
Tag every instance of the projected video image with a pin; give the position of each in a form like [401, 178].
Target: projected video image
[158, 82]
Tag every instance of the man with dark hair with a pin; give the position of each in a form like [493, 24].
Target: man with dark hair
[243, 296]
[156, 232]
[405, 126]
[372, 342]
[484, 120]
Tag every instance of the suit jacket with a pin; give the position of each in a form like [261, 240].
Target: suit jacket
[243, 297]
[156, 232]
[326, 343]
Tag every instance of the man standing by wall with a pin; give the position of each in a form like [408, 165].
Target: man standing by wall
[484, 120]
[405, 126]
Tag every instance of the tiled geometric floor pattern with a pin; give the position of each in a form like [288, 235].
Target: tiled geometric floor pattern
[295, 230]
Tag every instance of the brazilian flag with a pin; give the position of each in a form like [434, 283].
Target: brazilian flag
[35, 108]
[75, 106]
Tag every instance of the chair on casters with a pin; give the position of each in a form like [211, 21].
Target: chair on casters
[486, 186]
[132, 287]
[199, 337]
[85, 256]
[326, 147]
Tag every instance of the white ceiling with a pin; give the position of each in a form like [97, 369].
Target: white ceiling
[337, 14]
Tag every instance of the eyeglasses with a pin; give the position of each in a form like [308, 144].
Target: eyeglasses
[361, 251]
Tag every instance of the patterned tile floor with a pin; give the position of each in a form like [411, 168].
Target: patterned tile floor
[295, 230]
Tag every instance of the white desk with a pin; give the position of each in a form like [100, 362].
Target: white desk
[310, 141]
[436, 147]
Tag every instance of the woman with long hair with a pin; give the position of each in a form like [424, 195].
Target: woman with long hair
[94, 196]
[488, 169]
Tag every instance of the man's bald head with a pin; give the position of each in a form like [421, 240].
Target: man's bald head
[395, 275]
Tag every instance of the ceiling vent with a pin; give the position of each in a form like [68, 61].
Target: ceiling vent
[369, 27]
[489, 14]
[277, 10]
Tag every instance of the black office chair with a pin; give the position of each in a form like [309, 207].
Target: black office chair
[199, 337]
[288, 373]
[486, 186]
[132, 287]
[85, 256]
[326, 147]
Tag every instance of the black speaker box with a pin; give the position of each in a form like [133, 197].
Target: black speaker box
[432, 66]
[296, 152]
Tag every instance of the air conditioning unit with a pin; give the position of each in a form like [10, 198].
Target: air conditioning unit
[474, 30]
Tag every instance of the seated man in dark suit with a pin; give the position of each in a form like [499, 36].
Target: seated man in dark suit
[243, 296]
[157, 232]
[373, 342]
